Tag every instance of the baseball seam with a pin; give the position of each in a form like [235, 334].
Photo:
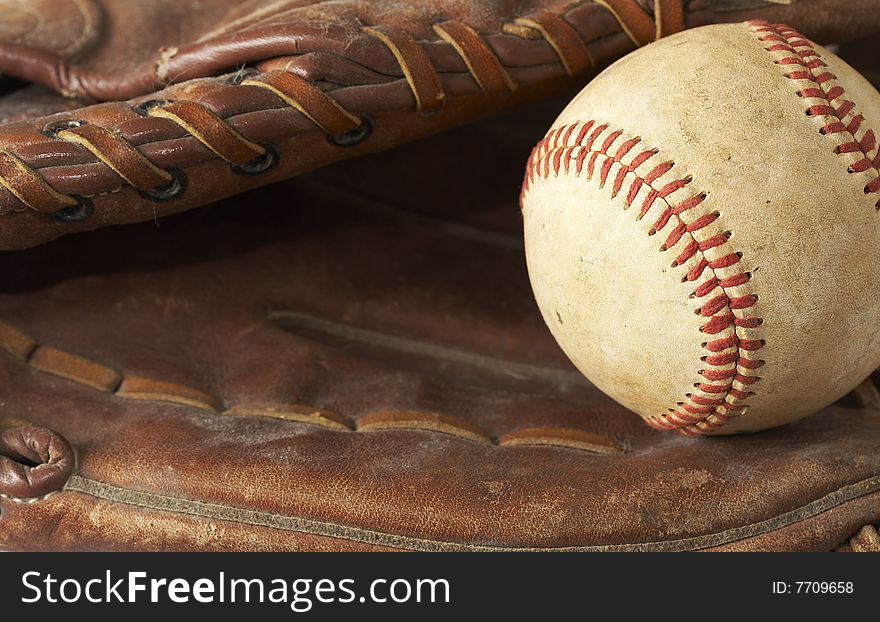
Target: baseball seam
[722, 398]
[827, 99]
[701, 247]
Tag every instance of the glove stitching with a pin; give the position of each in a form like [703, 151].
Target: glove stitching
[100, 378]
[224, 140]
[154, 501]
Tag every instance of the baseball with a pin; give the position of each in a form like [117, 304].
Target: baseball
[702, 229]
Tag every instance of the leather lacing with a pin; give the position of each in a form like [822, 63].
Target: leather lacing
[99, 377]
[197, 118]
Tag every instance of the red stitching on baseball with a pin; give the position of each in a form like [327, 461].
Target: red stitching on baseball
[728, 362]
[801, 53]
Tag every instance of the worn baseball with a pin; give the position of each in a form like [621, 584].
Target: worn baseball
[702, 229]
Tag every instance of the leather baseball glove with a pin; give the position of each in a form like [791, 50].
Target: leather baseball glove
[196, 102]
[351, 359]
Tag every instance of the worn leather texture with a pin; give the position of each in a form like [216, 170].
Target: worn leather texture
[353, 360]
[712, 265]
[193, 102]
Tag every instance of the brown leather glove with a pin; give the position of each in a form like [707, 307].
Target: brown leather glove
[225, 95]
[353, 360]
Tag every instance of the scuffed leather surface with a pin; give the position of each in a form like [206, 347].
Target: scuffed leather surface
[210, 300]
[114, 50]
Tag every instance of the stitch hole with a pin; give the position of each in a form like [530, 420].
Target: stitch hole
[143, 109]
[354, 136]
[171, 190]
[704, 358]
[83, 210]
[653, 231]
[261, 164]
[51, 130]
